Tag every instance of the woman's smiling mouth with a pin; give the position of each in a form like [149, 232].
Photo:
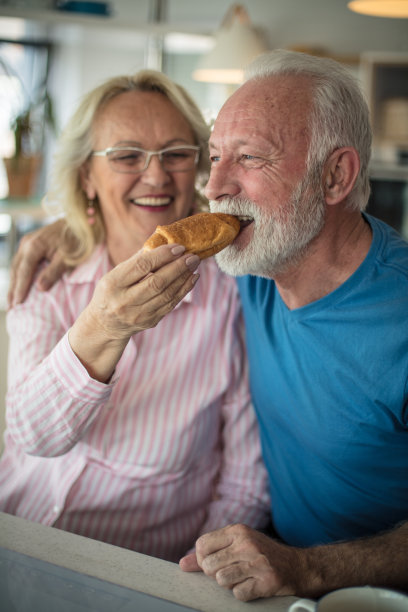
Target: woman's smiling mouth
[152, 201]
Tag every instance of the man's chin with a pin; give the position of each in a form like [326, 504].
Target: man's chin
[229, 261]
[235, 263]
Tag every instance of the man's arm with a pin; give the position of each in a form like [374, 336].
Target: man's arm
[33, 249]
[253, 565]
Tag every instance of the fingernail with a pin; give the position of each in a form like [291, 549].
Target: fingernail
[193, 262]
[178, 249]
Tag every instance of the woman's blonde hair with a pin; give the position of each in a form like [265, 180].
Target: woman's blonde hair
[66, 194]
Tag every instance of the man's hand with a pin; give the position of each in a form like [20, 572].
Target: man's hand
[253, 565]
[246, 561]
[34, 248]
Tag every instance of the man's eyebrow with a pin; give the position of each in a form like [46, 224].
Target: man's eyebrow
[239, 142]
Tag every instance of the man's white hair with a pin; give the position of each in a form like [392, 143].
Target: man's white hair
[340, 115]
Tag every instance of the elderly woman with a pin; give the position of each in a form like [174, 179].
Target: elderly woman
[122, 425]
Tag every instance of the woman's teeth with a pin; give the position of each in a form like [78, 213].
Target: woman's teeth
[150, 201]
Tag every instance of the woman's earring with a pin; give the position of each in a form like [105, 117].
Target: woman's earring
[90, 211]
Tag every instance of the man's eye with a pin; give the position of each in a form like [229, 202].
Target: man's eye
[214, 159]
[251, 161]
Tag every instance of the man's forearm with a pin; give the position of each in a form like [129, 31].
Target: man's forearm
[380, 560]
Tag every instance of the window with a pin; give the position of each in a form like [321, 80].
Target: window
[23, 81]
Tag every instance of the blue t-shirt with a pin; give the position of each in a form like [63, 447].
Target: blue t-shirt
[329, 384]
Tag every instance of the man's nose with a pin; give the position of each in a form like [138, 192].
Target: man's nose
[221, 183]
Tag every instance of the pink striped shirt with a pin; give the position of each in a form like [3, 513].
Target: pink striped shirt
[166, 451]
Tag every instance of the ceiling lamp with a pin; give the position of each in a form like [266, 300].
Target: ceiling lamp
[236, 44]
[380, 8]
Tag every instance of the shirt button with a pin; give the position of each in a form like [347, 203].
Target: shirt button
[56, 509]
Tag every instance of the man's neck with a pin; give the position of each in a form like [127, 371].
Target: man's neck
[330, 260]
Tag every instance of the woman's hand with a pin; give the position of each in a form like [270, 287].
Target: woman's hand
[133, 297]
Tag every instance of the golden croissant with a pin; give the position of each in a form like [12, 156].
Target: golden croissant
[203, 234]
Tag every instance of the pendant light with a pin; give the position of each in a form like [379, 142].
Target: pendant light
[236, 44]
[380, 8]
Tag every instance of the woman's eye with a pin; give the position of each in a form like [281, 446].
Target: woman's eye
[175, 155]
[214, 159]
[129, 157]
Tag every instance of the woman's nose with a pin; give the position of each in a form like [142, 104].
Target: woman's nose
[155, 174]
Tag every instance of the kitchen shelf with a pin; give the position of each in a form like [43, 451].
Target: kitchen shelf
[59, 17]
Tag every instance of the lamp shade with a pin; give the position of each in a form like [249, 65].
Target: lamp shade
[236, 44]
[380, 8]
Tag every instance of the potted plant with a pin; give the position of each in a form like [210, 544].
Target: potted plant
[28, 128]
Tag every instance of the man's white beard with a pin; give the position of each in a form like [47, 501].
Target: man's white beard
[279, 238]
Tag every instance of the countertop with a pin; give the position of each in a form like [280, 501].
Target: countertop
[95, 571]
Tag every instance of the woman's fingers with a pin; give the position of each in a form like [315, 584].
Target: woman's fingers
[143, 263]
[163, 300]
[154, 274]
[139, 292]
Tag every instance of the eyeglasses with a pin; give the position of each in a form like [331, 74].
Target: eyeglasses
[132, 160]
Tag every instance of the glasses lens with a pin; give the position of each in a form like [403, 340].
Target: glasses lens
[127, 160]
[134, 160]
[179, 159]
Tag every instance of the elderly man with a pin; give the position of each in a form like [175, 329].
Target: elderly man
[325, 294]
[325, 298]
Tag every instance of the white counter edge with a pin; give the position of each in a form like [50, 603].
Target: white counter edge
[124, 567]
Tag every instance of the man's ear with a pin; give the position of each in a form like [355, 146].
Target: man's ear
[339, 174]
[86, 182]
